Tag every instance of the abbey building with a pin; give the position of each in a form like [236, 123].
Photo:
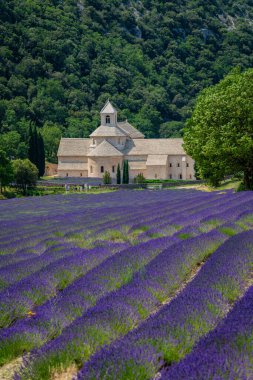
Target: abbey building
[113, 142]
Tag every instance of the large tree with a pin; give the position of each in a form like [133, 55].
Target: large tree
[6, 171]
[219, 135]
[25, 174]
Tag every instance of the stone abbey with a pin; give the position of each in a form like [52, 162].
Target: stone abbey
[113, 142]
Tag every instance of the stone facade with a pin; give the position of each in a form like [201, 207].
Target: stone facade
[113, 142]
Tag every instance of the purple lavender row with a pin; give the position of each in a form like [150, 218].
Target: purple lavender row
[71, 220]
[20, 298]
[118, 312]
[50, 311]
[73, 301]
[170, 334]
[203, 220]
[14, 272]
[225, 353]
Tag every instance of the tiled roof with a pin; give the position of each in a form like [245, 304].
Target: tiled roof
[130, 130]
[108, 108]
[107, 131]
[73, 147]
[105, 149]
[155, 146]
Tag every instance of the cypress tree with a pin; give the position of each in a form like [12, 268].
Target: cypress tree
[127, 172]
[31, 146]
[36, 148]
[124, 172]
[118, 175]
[41, 155]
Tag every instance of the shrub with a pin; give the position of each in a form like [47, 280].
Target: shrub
[139, 178]
[107, 178]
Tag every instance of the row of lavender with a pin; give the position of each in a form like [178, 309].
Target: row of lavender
[114, 269]
[111, 284]
[118, 312]
[57, 273]
[170, 334]
[226, 353]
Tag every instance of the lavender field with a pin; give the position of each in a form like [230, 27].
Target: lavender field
[129, 285]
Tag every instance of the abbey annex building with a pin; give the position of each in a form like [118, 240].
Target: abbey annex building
[113, 142]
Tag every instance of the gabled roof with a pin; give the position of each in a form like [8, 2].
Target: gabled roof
[108, 108]
[157, 159]
[130, 130]
[107, 131]
[73, 147]
[105, 149]
[155, 146]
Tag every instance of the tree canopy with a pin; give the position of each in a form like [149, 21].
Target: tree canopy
[60, 61]
[6, 171]
[25, 174]
[219, 135]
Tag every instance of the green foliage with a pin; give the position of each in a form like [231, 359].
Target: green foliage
[219, 134]
[6, 171]
[118, 175]
[36, 150]
[51, 134]
[107, 178]
[125, 178]
[139, 178]
[25, 174]
[61, 60]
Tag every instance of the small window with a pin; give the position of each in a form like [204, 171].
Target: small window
[107, 119]
[170, 165]
[113, 169]
[187, 165]
[102, 169]
[190, 176]
[93, 142]
[180, 176]
[81, 174]
[91, 169]
[170, 176]
[67, 174]
[178, 165]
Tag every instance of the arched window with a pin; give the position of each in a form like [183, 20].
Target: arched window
[107, 119]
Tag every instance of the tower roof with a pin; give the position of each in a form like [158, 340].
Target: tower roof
[108, 108]
[106, 131]
[105, 149]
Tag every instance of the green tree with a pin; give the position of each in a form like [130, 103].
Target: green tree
[118, 175]
[6, 170]
[9, 142]
[25, 174]
[51, 134]
[125, 178]
[41, 155]
[219, 135]
[36, 150]
[139, 178]
[107, 178]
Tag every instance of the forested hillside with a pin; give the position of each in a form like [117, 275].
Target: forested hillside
[61, 59]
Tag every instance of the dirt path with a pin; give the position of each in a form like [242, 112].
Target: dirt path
[7, 371]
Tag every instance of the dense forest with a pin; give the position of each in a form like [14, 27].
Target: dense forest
[61, 59]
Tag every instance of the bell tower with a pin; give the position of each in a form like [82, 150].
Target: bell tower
[108, 115]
